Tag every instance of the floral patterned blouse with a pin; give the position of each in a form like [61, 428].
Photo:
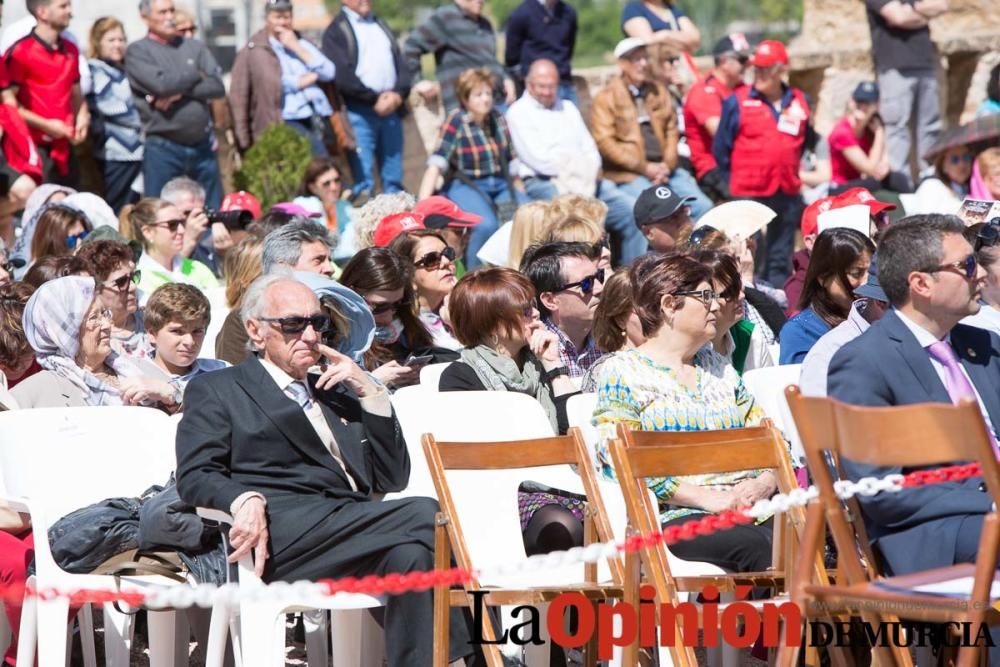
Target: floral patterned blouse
[634, 389]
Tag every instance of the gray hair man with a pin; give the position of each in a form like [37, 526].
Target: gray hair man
[301, 245]
[203, 242]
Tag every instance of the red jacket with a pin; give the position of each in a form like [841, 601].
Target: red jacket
[767, 150]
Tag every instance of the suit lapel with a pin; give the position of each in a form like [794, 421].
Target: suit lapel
[916, 358]
[286, 415]
[974, 349]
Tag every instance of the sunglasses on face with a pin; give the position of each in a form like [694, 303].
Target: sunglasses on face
[706, 296]
[382, 308]
[432, 260]
[967, 267]
[72, 241]
[121, 282]
[988, 236]
[959, 159]
[587, 284]
[171, 225]
[296, 324]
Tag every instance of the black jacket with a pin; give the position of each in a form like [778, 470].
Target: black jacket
[340, 45]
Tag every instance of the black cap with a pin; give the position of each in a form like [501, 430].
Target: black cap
[736, 43]
[867, 91]
[657, 203]
[277, 6]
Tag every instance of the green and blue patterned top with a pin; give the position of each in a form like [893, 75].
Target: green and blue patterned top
[635, 390]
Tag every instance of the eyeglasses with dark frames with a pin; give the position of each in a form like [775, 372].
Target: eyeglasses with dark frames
[706, 296]
[121, 282]
[966, 267]
[587, 284]
[432, 260]
[988, 236]
[382, 308]
[296, 324]
[699, 235]
[171, 225]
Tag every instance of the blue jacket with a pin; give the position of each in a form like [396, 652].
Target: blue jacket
[917, 528]
[799, 335]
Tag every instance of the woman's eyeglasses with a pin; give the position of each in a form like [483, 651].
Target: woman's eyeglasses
[171, 225]
[706, 296]
[296, 324]
[74, 240]
[97, 317]
[967, 267]
[432, 260]
[382, 308]
[959, 159]
[121, 282]
[587, 284]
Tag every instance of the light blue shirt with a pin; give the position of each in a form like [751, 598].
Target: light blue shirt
[376, 67]
[300, 104]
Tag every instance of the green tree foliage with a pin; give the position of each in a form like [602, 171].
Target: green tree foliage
[273, 167]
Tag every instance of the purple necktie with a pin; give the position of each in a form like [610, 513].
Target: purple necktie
[955, 381]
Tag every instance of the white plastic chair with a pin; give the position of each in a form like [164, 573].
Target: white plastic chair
[220, 310]
[430, 375]
[768, 388]
[56, 460]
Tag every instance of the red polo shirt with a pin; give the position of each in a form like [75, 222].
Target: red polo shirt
[44, 75]
[704, 101]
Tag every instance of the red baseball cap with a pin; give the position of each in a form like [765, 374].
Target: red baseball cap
[810, 217]
[393, 225]
[769, 52]
[241, 201]
[856, 196]
[440, 212]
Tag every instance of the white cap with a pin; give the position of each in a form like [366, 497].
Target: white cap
[628, 45]
[856, 217]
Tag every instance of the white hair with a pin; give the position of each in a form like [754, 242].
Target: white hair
[367, 217]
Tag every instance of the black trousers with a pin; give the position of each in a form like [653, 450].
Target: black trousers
[739, 549]
[364, 538]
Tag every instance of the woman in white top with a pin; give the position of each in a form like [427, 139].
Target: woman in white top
[944, 192]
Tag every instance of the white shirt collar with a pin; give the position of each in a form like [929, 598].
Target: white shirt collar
[924, 337]
[147, 263]
[280, 377]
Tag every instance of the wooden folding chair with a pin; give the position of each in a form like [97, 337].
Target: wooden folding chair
[637, 455]
[491, 472]
[911, 436]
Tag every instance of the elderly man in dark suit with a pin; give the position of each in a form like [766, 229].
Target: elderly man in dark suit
[917, 353]
[295, 458]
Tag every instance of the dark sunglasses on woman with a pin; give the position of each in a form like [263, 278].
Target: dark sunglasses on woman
[432, 260]
[121, 282]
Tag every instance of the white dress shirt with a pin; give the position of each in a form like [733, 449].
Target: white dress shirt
[376, 66]
[547, 140]
[925, 338]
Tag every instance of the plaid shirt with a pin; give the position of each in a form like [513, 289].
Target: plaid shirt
[577, 361]
[472, 148]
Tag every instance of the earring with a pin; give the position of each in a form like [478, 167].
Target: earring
[496, 340]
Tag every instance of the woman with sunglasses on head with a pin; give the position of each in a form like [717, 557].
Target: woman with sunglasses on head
[985, 240]
[384, 280]
[433, 279]
[69, 328]
[112, 264]
[838, 265]
[944, 191]
[59, 231]
[675, 382]
[159, 226]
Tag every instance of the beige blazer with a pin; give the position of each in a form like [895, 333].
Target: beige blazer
[48, 390]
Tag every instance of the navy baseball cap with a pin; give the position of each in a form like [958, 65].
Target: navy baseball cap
[657, 203]
[867, 91]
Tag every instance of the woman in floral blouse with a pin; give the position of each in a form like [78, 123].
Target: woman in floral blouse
[675, 382]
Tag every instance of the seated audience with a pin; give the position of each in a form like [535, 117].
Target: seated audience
[474, 154]
[320, 192]
[433, 279]
[112, 264]
[47, 193]
[300, 245]
[869, 306]
[991, 104]
[920, 353]
[454, 224]
[674, 382]
[58, 232]
[663, 216]
[858, 153]
[50, 268]
[177, 316]
[69, 327]
[637, 133]
[568, 285]
[616, 325]
[944, 191]
[255, 442]
[159, 226]
[985, 240]
[838, 266]
[385, 280]
[986, 175]
[242, 267]
[17, 358]
[738, 340]
[508, 349]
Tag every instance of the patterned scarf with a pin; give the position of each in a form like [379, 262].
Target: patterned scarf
[500, 373]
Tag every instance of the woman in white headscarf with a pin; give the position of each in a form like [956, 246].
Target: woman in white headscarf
[70, 331]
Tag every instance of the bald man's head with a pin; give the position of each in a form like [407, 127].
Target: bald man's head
[543, 82]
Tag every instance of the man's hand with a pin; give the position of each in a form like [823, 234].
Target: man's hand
[287, 38]
[429, 90]
[222, 240]
[57, 129]
[341, 368]
[387, 103]
[194, 226]
[82, 125]
[308, 79]
[510, 90]
[249, 531]
[657, 172]
[163, 104]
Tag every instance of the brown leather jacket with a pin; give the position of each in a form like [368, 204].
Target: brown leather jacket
[255, 90]
[614, 122]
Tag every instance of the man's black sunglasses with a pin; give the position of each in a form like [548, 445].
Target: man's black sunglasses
[587, 284]
[432, 260]
[988, 236]
[967, 267]
[296, 324]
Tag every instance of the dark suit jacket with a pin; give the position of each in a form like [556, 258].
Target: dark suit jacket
[917, 528]
[241, 433]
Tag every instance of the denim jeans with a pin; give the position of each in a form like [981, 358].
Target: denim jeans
[306, 128]
[118, 179]
[379, 138]
[164, 160]
[472, 200]
[777, 255]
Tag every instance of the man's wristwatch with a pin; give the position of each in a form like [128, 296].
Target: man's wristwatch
[549, 376]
